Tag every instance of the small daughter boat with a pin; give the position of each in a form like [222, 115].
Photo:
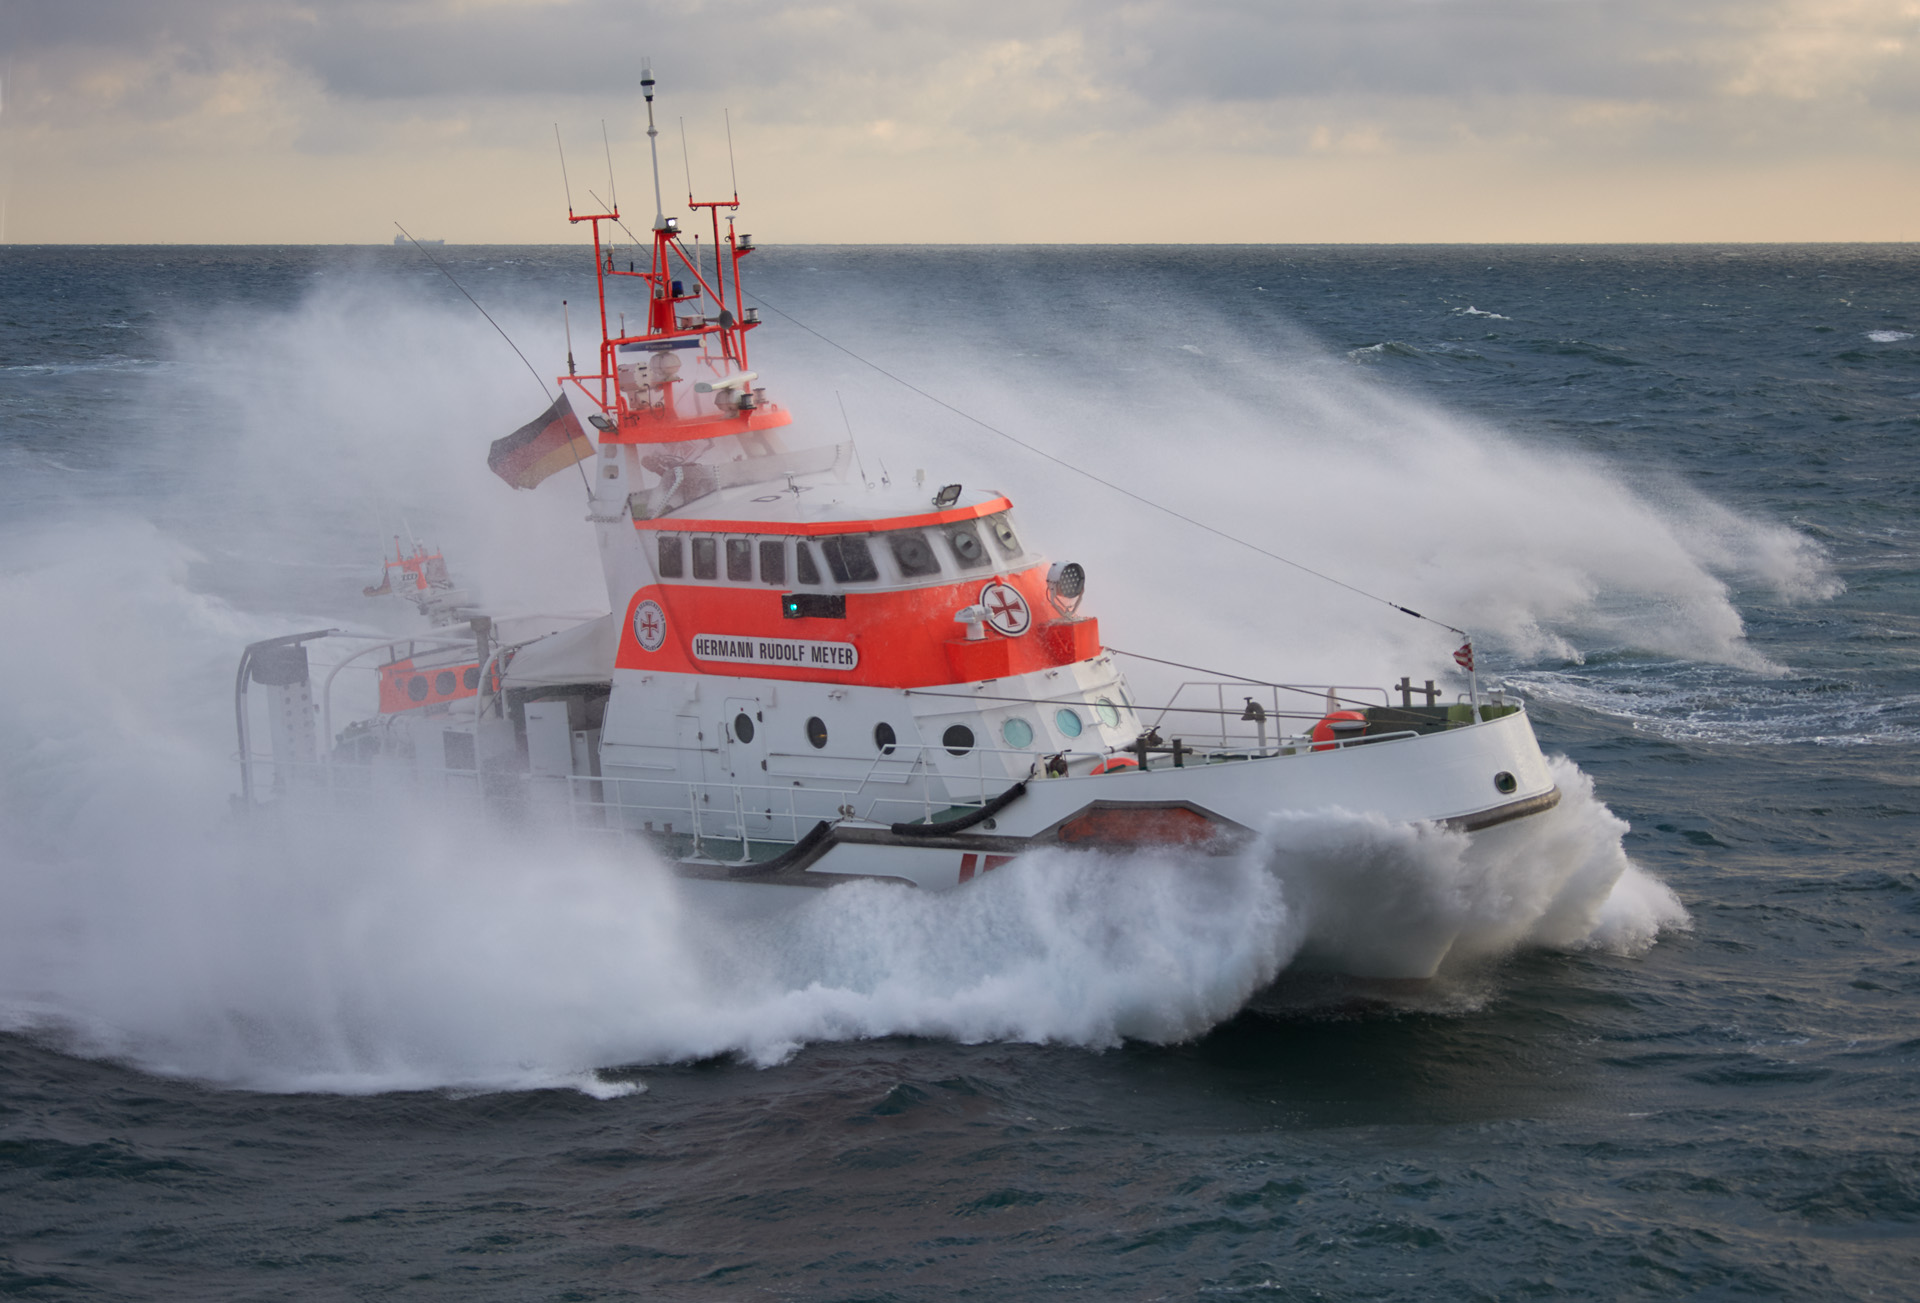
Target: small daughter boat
[805, 679]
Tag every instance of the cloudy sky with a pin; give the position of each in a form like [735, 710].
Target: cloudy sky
[968, 120]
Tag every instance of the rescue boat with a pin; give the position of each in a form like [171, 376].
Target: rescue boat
[804, 679]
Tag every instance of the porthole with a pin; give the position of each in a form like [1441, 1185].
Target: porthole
[1108, 713]
[884, 739]
[958, 739]
[1017, 734]
[743, 727]
[443, 683]
[1068, 723]
[817, 732]
[1505, 783]
[470, 677]
[417, 687]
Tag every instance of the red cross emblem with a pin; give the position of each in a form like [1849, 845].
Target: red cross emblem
[650, 625]
[1006, 609]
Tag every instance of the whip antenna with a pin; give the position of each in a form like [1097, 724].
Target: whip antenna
[850, 439]
[732, 173]
[612, 189]
[686, 159]
[563, 168]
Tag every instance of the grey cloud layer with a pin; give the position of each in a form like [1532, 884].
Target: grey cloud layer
[868, 58]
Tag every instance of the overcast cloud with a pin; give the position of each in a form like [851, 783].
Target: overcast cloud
[1550, 119]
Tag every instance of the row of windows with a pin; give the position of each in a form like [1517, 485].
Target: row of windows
[849, 558]
[1017, 733]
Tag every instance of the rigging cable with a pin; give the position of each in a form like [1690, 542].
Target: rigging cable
[1109, 484]
[482, 311]
[503, 334]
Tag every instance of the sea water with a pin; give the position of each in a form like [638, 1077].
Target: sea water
[1670, 491]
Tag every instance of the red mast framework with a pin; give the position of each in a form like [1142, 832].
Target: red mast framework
[638, 386]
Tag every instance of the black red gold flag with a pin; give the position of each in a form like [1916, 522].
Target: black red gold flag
[550, 442]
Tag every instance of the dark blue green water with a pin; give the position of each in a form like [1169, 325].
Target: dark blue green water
[1674, 491]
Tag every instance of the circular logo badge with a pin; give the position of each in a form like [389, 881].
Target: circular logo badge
[649, 625]
[1006, 609]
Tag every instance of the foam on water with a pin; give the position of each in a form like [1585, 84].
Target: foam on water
[1538, 550]
[410, 950]
[404, 948]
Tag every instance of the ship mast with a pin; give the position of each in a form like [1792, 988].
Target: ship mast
[653, 144]
[638, 388]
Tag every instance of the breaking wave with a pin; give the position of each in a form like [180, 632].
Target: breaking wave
[138, 920]
[404, 949]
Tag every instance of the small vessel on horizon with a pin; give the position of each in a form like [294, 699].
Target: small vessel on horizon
[805, 679]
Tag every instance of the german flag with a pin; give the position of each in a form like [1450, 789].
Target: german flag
[550, 442]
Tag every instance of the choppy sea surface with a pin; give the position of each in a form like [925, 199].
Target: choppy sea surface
[1671, 490]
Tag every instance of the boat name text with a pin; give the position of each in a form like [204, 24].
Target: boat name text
[793, 652]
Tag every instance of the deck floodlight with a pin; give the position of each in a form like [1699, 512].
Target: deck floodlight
[1066, 583]
[600, 423]
[947, 496]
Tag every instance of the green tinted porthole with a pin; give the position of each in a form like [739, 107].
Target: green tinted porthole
[1109, 714]
[1017, 733]
[1068, 723]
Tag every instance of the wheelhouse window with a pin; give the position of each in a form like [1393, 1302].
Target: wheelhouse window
[706, 558]
[672, 556]
[968, 550]
[773, 561]
[849, 558]
[1001, 530]
[912, 553]
[805, 570]
[740, 560]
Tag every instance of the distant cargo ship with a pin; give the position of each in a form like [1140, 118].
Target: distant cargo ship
[401, 239]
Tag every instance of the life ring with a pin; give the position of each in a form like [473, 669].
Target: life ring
[1115, 765]
[1336, 726]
